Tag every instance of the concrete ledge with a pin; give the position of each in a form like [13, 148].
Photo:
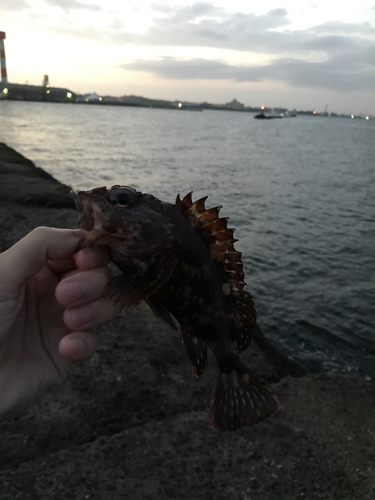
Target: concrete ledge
[22, 182]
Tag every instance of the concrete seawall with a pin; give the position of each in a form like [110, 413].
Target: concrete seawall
[131, 422]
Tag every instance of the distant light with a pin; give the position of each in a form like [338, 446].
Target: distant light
[180, 104]
[263, 107]
[100, 98]
[351, 116]
[69, 95]
[367, 117]
[48, 91]
[5, 91]
[314, 112]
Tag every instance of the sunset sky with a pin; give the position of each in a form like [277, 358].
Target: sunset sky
[288, 53]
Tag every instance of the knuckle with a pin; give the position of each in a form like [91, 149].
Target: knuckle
[40, 232]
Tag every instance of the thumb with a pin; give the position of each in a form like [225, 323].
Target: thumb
[29, 255]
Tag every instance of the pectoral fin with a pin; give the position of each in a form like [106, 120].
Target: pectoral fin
[161, 312]
[126, 290]
[137, 283]
[196, 349]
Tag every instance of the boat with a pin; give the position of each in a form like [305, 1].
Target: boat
[262, 116]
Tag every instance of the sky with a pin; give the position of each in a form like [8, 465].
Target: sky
[278, 53]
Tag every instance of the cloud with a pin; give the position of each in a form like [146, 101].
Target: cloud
[192, 12]
[333, 55]
[198, 25]
[203, 24]
[336, 27]
[333, 75]
[13, 5]
[68, 5]
[162, 8]
[193, 69]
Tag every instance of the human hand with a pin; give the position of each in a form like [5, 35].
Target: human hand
[51, 294]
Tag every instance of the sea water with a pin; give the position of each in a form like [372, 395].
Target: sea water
[299, 191]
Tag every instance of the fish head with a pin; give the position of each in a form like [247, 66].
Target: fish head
[122, 218]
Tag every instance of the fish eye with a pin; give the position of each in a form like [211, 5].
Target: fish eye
[122, 195]
[123, 198]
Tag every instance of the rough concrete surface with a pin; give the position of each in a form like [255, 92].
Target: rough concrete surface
[131, 422]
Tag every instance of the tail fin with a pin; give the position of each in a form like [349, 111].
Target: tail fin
[240, 400]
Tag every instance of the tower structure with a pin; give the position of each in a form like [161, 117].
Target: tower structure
[45, 81]
[25, 92]
[4, 76]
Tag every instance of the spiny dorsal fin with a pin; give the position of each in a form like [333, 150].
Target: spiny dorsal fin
[185, 203]
[220, 236]
[221, 243]
[209, 215]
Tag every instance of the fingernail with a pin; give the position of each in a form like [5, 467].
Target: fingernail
[73, 291]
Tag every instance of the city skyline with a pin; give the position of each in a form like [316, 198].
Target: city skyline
[280, 54]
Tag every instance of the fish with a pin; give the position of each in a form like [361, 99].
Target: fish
[181, 261]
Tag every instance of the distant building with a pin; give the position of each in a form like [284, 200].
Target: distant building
[188, 106]
[90, 98]
[94, 97]
[19, 92]
[234, 105]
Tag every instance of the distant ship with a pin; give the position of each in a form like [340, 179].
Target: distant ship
[262, 116]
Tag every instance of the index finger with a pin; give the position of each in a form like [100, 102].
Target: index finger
[28, 256]
[84, 260]
[90, 258]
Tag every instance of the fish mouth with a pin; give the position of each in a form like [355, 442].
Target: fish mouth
[89, 212]
[78, 202]
[97, 227]
[90, 220]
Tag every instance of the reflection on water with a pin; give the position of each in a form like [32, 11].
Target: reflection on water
[299, 192]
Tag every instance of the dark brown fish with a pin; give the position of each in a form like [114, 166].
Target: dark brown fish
[181, 261]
